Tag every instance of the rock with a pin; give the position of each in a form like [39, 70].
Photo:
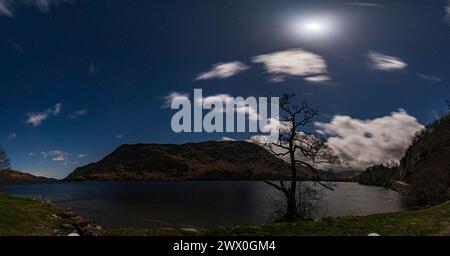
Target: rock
[73, 234]
[97, 227]
[373, 234]
[82, 223]
[189, 231]
[86, 228]
[69, 214]
[89, 230]
[68, 227]
[77, 218]
[90, 233]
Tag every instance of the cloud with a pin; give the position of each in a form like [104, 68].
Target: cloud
[227, 139]
[379, 61]
[56, 109]
[318, 79]
[59, 158]
[293, 62]
[77, 114]
[12, 136]
[246, 110]
[171, 96]
[223, 70]
[268, 142]
[92, 69]
[5, 9]
[365, 4]
[56, 155]
[432, 79]
[362, 143]
[447, 12]
[16, 47]
[37, 118]
[82, 155]
[8, 7]
[119, 136]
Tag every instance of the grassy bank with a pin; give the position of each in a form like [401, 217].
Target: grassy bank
[20, 216]
[29, 217]
[431, 221]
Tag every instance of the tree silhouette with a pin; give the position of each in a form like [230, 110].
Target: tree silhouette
[303, 150]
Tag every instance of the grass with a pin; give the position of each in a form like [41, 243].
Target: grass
[27, 217]
[431, 221]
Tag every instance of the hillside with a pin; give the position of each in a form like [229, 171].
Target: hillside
[426, 164]
[211, 160]
[9, 176]
[379, 175]
[429, 149]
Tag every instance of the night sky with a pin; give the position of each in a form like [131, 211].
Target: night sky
[81, 77]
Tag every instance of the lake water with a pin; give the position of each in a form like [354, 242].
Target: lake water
[197, 203]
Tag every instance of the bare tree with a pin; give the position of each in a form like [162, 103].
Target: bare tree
[4, 160]
[304, 151]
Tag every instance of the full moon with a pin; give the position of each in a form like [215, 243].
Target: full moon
[312, 27]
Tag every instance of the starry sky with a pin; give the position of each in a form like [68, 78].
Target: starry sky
[80, 77]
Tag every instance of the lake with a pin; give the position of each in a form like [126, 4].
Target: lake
[197, 203]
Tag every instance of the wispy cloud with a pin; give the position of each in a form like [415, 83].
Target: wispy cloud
[223, 70]
[77, 114]
[37, 118]
[294, 62]
[8, 7]
[447, 12]
[248, 111]
[119, 136]
[60, 156]
[365, 4]
[431, 79]
[12, 136]
[171, 96]
[379, 61]
[5, 9]
[92, 69]
[318, 79]
[227, 139]
[55, 155]
[362, 143]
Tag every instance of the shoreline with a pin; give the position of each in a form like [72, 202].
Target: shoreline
[53, 220]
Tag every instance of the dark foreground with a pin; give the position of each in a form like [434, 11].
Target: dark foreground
[23, 217]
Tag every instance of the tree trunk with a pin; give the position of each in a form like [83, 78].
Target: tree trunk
[292, 211]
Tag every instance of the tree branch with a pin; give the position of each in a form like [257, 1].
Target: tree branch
[281, 188]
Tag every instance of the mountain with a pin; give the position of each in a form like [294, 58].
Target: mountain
[210, 160]
[9, 176]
